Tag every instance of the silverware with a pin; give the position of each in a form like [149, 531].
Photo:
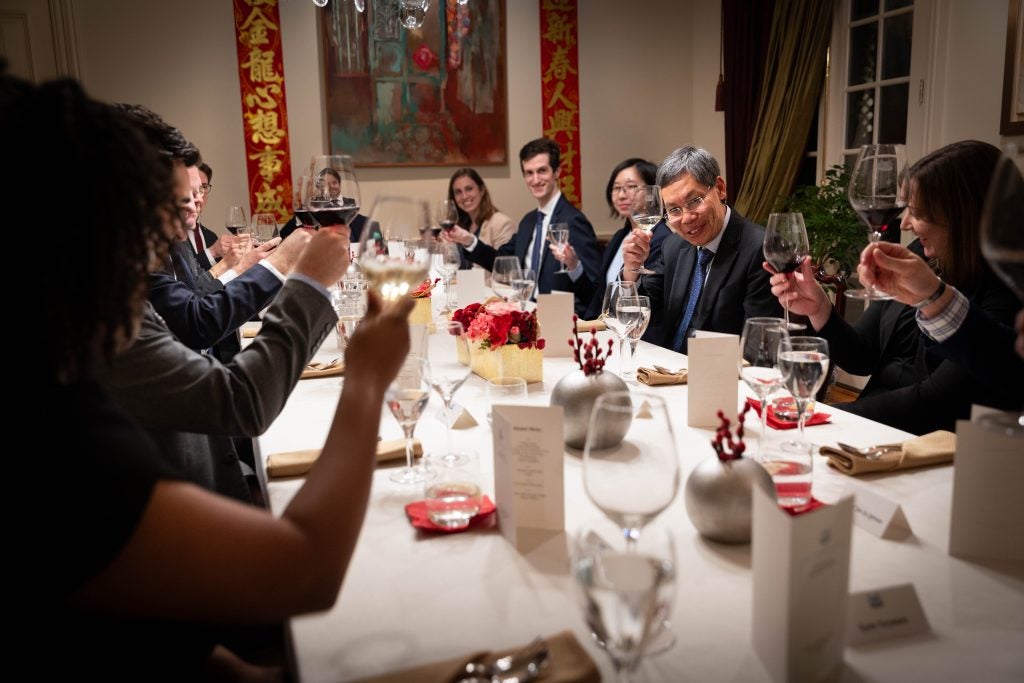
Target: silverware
[518, 667]
[317, 365]
[871, 452]
[666, 371]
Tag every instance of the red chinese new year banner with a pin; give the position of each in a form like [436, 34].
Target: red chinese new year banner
[264, 115]
[560, 89]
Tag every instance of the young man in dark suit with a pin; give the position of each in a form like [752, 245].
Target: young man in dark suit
[539, 162]
[709, 276]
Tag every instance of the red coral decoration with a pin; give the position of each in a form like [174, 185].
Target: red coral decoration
[723, 443]
[425, 289]
[588, 355]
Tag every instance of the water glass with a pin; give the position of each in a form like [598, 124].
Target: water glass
[504, 391]
[453, 495]
[791, 471]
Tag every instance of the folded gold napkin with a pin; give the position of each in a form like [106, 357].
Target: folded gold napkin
[318, 369]
[587, 325]
[296, 463]
[929, 449]
[656, 376]
[250, 332]
[567, 662]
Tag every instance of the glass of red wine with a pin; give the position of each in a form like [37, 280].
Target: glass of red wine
[785, 248]
[875, 195]
[300, 195]
[447, 214]
[234, 219]
[333, 195]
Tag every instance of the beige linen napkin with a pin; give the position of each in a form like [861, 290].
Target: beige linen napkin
[296, 463]
[657, 376]
[317, 369]
[250, 332]
[567, 662]
[587, 325]
[929, 449]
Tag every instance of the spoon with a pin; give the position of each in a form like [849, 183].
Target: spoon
[518, 667]
[871, 452]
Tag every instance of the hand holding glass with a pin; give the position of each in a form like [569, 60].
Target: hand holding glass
[558, 235]
[785, 248]
[875, 194]
[648, 210]
[393, 253]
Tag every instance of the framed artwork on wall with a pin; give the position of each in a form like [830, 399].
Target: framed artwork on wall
[429, 96]
[1012, 120]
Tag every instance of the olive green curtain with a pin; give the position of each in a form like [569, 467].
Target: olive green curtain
[793, 77]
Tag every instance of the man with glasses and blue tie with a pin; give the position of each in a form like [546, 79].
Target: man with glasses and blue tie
[709, 276]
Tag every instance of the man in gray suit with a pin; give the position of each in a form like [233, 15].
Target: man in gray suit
[709, 276]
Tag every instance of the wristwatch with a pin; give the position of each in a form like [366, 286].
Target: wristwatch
[933, 298]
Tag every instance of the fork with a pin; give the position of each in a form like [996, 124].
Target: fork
[871, 452]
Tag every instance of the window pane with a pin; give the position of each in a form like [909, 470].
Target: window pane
[892, 114]
[896, 36]
[863, 8]
[896, 4]
[860, 118]
[807, 174]
[849, 160]
[863, 54]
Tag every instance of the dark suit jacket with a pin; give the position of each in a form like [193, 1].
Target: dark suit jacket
[355, 227]
[210, 238]
[581, 237]
[737, 286]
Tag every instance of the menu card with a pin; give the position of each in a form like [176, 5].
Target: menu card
[469, 287]
[528, 472]
[713, 377]
[554, 316]
[801, 570]
[987, 519]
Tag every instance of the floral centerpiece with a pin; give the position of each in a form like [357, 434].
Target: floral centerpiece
[421, 313]
[502, 341]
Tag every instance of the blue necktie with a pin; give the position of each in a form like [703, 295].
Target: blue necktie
[696, 285]
[538, 243]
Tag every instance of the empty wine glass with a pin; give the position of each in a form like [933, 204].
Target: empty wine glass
[875, 195]
[234, 218]
[610, 315]
[635, 313]
[407, 397]
[626, 593]
[630, 466]
[803, 362]
[393, 253]
[447, 374]
[558, 235]
[524, 285]
[785, 248]
[446, 258]
[648, 210]
[505, 271]
[759, 362]
[333, 191]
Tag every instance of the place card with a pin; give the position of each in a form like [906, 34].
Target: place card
[801, 567]
[877, 514]
[713, 379]
[554, 316]
[882, 614]
[469, 286]
[987, 517]
[528, 472]
[457, 418]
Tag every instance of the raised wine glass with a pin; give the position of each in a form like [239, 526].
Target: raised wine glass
[648, 210]
[394, 252]
[333, 190]
[264, 227]
[759, 362]
[610, 316]
[558, 235]
[300, 195]
[635, 313]
[234, 219]
[785, 248]
[505, 271]
[447, 214]
[875, 195]
[447, 375]
[407, 397]
[446, 260]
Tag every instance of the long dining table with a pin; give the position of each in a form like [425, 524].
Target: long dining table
[411, 597]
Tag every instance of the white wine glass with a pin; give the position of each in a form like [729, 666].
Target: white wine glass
[447, 375]
[333, 197]
[635, 313]
[264, 227]
[505, 271]
[785, 248]
[759, 362]
[446, 259]
[610, 314]
[648, 211]
[407, 397]
[558, 235]
[394, 253]
[875, 195]
[803, 362]
[524, 284]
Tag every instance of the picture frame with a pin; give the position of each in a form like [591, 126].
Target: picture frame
[1012, 118]
[429, 96]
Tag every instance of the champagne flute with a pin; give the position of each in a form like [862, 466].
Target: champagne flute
[333, 197]
[447, 258]
[648, 210]
[803, 362]
[785, 248]
[759, 362]
[447, 375]
[505, 271]
[875, 195]
[394, 254]
[635, 313]
[447, 214]
[407, 397]
[234, 219]
[558, 235]
[610, 315]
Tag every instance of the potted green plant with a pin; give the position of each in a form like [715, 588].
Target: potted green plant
[835, 232]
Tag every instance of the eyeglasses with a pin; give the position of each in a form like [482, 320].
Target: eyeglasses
[628, 189]
[692, 206]
[205, 188]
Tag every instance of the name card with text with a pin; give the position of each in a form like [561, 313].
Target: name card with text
[987, 518]
[877, 514]
[893, 612]
[554, 316]
[713, 377]
[469, 287]
[801, 568]
[529, 487]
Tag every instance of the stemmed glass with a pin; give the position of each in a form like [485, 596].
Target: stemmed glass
[447, 214]
[505, 271]
[785, 248]
[635, 313]
[393, 253]
[1002, 244]
[610, 315]
[264, 227]
[234, 219]
[300, 195]
[630, 466]
[447, 374]
[803, 362]
[558, 235]
[875, 195]
[626, 594]
[333, 191]
[648, 210]
[759, 362]
[524, 284]
[407, 397]
[447, 259]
